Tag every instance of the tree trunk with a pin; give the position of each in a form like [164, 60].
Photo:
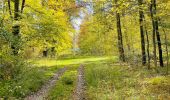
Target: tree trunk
[23, 5]
[156, 30]
[147, 40]
[16, 29]
[166, 49]
[45, 53]
[141, 22]
[9, 7]
[120, 40]
[159, 44]
[153, 34]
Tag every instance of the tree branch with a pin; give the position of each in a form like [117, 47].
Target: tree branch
[23, 5]
[9, 7]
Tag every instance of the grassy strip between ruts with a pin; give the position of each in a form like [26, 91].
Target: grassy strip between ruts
[64, 88]
[110, 82]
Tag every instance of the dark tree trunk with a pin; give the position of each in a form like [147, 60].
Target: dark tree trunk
[16, 29]
[120, 40]
[159, 44]
[141, 22]
[154, 34]
[9, 7]
[45, 53]
[16, 10]
[147, 40]
[156, 30]
[22, 7]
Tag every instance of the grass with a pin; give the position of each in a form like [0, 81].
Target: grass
[109, 82]
[34, 76]
[66, 62]
[65, 86]
[30, 79]
[105, 81]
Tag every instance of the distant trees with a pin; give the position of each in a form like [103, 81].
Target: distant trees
[148, 22]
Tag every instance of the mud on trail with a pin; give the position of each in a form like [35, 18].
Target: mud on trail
[79, 91]
[43, 92]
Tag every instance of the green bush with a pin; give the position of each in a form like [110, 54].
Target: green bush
[21, 79]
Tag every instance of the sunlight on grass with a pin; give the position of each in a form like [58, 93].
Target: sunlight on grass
[53, 62]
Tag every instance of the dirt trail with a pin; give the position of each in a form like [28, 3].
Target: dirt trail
[79, 92]
[43, 92]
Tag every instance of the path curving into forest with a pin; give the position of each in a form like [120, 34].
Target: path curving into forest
[79, 91]
[43, 92]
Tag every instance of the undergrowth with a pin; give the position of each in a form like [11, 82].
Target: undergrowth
[112, 82]
[28, 80]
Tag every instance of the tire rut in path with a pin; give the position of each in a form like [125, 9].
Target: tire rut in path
[79, 91]
[43, 92]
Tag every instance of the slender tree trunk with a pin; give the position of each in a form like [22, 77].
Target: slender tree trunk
[141, 22]
[156, 30]
[120, 40]
[154, 33]
[127, 39]
[159, 44]
[147, 40]
[23, 5]
[16, 29]
[128, 52]
[166, 49]
[9, 7]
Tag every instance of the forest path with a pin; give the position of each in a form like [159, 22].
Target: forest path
[79, 91]
[43, 92]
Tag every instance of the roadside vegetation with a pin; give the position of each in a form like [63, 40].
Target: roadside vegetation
[115, 82]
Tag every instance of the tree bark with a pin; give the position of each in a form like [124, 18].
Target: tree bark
[120, 40]
[141, 22]
[16, 29]
[147, 40]
[153, 34]
[166, 49]
[9, 7]
[23, 5]
[159, 44]
[156, 33]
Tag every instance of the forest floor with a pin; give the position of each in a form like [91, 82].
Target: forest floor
[90, 78]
